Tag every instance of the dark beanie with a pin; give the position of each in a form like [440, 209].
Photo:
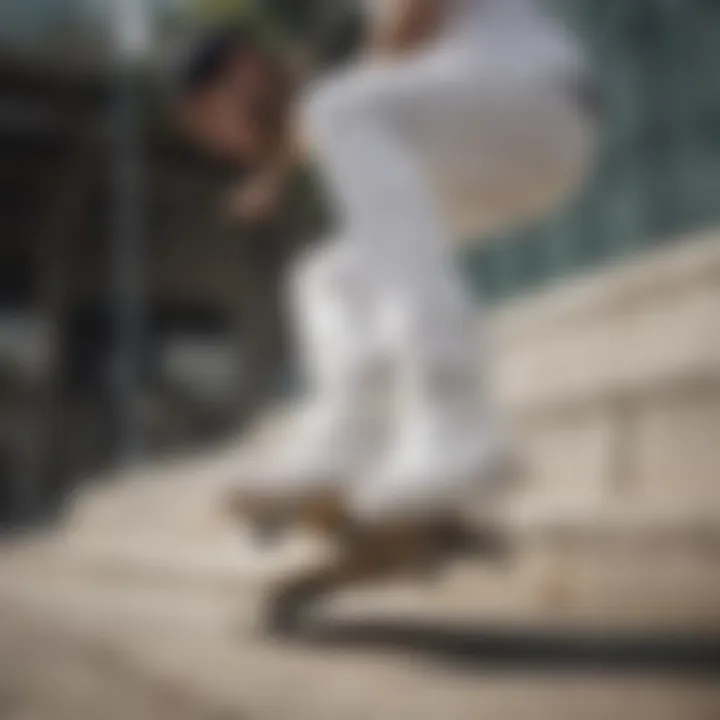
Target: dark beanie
[207, 55]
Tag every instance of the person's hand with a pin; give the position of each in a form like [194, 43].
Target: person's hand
[402, 27]
[256, 200]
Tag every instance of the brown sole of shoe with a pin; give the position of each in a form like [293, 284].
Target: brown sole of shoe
[271, 518]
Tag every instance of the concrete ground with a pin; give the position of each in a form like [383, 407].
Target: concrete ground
[153, 652]
[128, 614]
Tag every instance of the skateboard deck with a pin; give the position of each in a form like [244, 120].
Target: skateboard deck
[366, 553]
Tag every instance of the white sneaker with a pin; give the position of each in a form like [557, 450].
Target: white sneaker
[430, 474]
[322, 450]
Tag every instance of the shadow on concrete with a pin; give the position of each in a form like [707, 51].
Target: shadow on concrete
[493, 648]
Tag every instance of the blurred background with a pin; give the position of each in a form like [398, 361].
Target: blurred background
[138, 323]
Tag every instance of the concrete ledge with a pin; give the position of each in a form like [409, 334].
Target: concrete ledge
[613, 385]
[656, 272]
[625, 330]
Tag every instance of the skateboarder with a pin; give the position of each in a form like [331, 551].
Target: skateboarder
[465, 116]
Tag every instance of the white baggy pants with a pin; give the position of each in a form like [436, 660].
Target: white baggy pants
[475, 133]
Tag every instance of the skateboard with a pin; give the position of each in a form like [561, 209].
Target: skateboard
[367, 553]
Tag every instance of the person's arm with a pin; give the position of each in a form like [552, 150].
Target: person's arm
[406, 25]
[259, 197]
